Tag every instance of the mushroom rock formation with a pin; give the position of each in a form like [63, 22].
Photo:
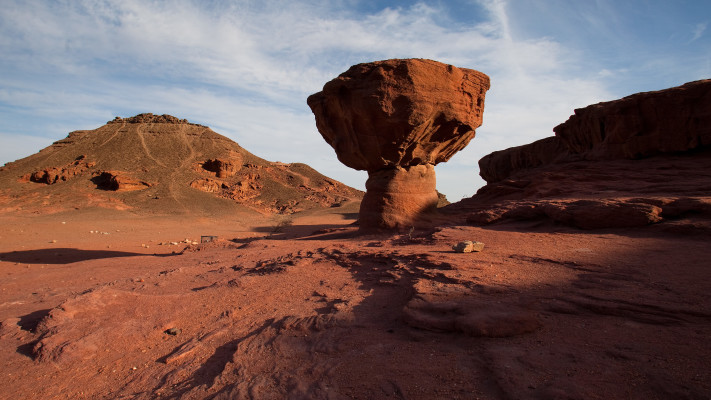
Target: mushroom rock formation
[396, 119]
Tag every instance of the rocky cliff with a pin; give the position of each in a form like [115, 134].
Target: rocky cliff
[637, 126]
[644, 159]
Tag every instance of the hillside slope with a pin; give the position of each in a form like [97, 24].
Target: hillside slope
[159, 164]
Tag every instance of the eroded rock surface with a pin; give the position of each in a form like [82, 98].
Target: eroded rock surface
[640, 160]
[396, 119]
[226, 167]
[52, 175]
[643, 124]
[637, 126]
[118, 181]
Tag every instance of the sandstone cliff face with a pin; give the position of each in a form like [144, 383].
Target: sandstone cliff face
[501, 164]
[396, 119]
[644, 159]
[643, 124]
[637, 126]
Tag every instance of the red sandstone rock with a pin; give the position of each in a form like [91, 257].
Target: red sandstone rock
[641, 125]
[499, 165]
[224, 168]
[624, 163]
[396, 119]
[118, 182]
[52, 175]
[397, 197]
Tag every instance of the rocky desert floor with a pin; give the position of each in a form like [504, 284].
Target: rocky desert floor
[93, 306]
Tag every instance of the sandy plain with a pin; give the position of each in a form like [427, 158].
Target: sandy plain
[311, 309]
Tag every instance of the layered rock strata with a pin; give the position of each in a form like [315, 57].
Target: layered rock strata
[644, 159]
[396, 119]
[641, 125]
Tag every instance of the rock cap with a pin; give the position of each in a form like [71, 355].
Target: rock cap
[399, 112]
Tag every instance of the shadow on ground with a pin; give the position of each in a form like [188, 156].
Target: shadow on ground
[64, 255]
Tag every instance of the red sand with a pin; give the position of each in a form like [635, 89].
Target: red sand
[545, 312]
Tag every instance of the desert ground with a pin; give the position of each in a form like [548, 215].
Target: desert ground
[94, 306]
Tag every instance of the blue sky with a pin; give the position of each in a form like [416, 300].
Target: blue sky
[245, 68]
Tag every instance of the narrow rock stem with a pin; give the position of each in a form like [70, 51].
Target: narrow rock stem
[399, 197]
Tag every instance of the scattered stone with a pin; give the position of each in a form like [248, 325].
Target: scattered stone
[173, 331]
[207, 239]
[468, 246]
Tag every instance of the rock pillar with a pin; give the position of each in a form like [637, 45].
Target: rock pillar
[397, 198]
[396, 119]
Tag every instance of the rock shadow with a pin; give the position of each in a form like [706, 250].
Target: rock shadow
[29, 323]
[316, 232]
[64, 255]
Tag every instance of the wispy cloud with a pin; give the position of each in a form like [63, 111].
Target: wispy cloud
[699, 30]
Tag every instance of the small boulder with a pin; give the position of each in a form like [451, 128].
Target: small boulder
[468, 246]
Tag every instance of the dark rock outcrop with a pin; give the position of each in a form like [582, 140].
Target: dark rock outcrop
[149, 118]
